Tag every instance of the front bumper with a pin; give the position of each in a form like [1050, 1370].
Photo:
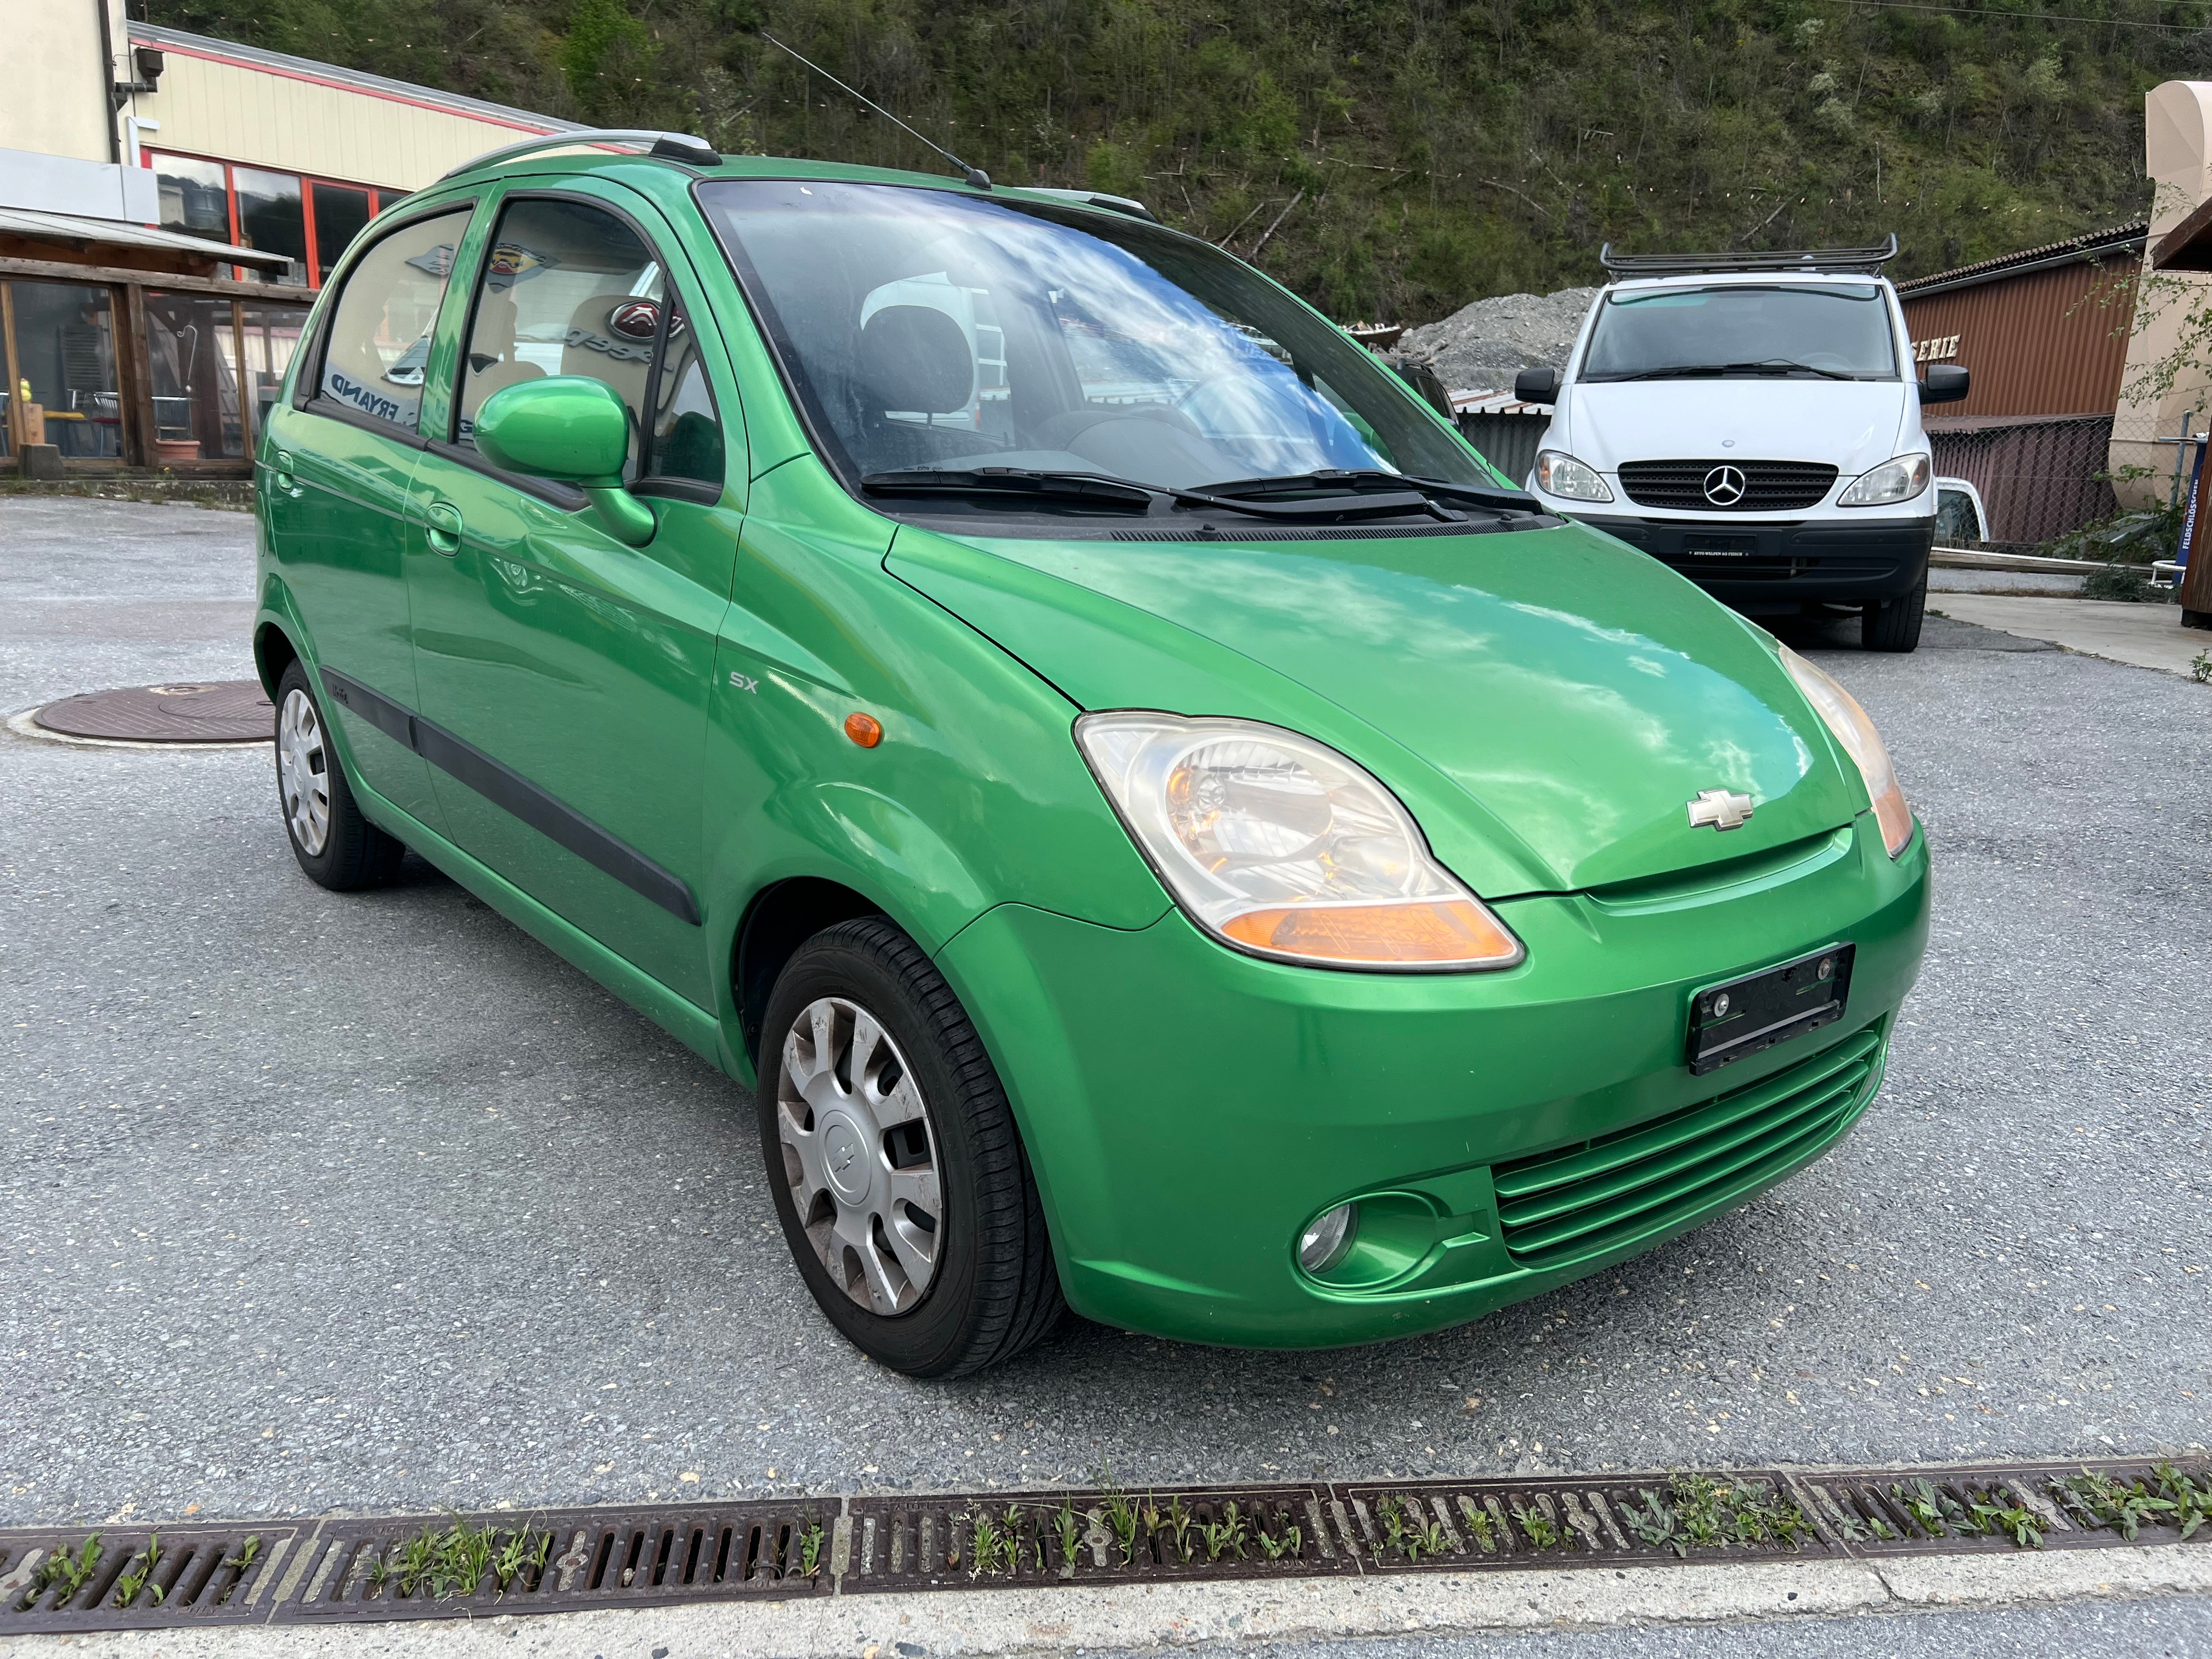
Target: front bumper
[1827, 560]
[1187, 1110]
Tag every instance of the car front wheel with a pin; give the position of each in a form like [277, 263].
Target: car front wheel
[898, 1172]
[1894, 625]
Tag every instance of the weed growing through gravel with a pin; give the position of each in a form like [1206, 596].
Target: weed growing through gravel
[134, 1578]
[455, 1559]
[2200, 667]
[62, 1571]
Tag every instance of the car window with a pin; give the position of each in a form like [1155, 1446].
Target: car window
[1836, 329]
[1955, 518]
[567, 288]
[379, 332]
[687, 433]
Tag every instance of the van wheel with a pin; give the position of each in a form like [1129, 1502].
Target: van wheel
[337, 848]
[897, 1169]
[1895, 625]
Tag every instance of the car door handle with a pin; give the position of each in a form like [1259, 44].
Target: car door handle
[443, 521]
[281, 474]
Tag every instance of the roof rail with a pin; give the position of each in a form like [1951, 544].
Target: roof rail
[667, 146]
[1865, 261]
[1097, 199]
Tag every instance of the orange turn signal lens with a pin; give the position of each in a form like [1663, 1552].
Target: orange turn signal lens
[864, 729]
[1428, 933]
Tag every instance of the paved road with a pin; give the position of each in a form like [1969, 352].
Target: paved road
[313, 1202]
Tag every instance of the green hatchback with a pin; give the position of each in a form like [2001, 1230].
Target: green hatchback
[1160, 826]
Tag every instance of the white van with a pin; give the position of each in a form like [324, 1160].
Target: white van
[1751, 420]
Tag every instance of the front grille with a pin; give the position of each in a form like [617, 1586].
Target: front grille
[1768, 486]
[1578, 1201]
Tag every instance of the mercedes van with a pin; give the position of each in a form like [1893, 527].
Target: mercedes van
[1752, 421]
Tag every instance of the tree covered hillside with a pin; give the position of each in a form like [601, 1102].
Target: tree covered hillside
[1387, 158]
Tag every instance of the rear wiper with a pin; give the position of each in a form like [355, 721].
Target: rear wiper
[1095, 489]
[1366, 479]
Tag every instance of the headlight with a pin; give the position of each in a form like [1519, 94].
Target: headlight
[1282, 848]
[1856, 732]
[1570, 479]
[1893, 480]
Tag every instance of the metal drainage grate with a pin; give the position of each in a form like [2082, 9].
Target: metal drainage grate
[217, 711]
[413, 1567]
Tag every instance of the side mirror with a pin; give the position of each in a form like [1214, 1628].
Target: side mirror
[1947, 383]
[571, 430]
[1537, 385]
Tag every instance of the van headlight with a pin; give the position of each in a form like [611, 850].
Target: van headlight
[1893, 480]
[1571, 480]
[1280, 847]
[1856, 732]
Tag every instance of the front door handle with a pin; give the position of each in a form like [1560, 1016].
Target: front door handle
[281, 474]
[443, 521]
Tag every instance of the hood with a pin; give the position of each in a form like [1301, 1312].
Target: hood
[1851, 424]
[1545, 702]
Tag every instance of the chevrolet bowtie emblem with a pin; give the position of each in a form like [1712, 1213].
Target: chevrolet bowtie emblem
[1719, 808]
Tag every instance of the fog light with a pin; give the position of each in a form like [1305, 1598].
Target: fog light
[1326, 1237]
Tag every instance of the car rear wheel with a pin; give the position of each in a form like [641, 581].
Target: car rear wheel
[337, 848]
[898, 1173]
[1894, 625]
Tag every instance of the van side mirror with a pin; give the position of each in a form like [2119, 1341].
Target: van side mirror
[571, 430]
[1947, 383]
[1537, 385]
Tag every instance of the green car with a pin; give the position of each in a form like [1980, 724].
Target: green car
[1160, 825]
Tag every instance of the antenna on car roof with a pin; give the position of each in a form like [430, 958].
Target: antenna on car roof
[974, 176]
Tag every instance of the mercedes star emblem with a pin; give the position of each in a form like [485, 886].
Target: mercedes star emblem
[1725, 486]
[1719, 808]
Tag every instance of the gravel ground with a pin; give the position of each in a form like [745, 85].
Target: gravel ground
[313, 1201]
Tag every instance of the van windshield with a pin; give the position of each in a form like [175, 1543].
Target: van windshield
[928, 329]
[1835, 331]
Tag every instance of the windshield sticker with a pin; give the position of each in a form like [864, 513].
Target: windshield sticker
[437, 261]
[618, 352]
[635, 319]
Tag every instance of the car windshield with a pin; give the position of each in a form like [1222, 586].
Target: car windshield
[1836, 329]
[929, 329]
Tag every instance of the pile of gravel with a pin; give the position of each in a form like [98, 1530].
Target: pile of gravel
[1483, 346]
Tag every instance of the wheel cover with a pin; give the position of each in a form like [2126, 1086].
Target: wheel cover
[303, 772]
[860, 1154]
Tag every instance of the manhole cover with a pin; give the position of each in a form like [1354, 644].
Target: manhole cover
[212, 711]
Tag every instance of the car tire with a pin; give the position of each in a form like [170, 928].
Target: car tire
[876, 1100]
[1895, 624]
[337, 848]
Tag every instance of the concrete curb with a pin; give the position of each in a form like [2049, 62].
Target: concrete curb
[1013, 1622]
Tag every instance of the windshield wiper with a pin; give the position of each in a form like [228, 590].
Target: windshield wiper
[1764, 366]
[1102, 490]
[1093, 487]
[1364, 480]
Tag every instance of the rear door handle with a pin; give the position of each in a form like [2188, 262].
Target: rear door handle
[443, 521]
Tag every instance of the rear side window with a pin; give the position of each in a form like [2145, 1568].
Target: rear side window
[379, 333]
[570, 289]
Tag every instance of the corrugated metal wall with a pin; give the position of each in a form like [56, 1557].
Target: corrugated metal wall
[2042, 342]
[2038, 479]
[1508, 442]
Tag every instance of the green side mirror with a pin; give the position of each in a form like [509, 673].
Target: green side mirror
[571, 430]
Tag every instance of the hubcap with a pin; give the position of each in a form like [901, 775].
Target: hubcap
[303, 772]
[859, 1154]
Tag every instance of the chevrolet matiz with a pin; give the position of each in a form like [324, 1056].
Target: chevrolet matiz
[1160, 826]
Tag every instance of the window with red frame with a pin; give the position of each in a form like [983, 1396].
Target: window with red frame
[309, 220]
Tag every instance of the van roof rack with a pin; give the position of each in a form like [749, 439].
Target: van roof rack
[666, 146]
[1859, 261]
